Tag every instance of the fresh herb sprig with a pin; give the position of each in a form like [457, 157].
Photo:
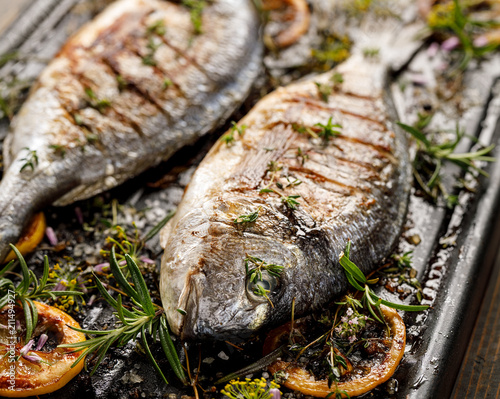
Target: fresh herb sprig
[321, 130]
[99, 104]
[370, 300]
[30, 160]
[142, 317]
[452, 17]
[254, 273]
[248, 218]
[324, 90]
[401, 268]
[431, 156]
[132, 244]
[30, 288]
[304, 130]
[329, 130]
[289, 200]
[195, 9]
[229, 138]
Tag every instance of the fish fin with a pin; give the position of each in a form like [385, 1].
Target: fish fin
[386, 32]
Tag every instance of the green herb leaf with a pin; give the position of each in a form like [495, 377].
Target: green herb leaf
[156, 229]
[140, 286]
[249, 218]
[120, 278]
[169, 350]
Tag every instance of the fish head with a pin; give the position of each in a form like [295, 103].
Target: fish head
[210, 285]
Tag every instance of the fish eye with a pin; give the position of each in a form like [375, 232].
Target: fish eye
[257, 291]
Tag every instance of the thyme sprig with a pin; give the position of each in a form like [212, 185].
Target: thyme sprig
[324, 90]
[30, 288]
[95, 102]
[142, 317]
[195, 9]
[321, 130]
[254, 273]
[370, 300]
[431, 156]
[401, 268]
[289, 200]
[304, 130]
[229, 138]
[30, 160]
[248, 218]
[329, 130]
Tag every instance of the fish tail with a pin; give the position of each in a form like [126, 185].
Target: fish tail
[387, 33]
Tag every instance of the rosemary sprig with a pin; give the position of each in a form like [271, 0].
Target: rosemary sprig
[370, 300]
[431, 156]
[28, 289]
[142, 317]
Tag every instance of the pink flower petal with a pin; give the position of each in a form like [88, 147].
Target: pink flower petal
[51, 236]
[450, 44]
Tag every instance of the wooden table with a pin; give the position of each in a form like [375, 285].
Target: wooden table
[480, 373]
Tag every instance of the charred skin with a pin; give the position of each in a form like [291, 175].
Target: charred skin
[355, 186]
[127, 91]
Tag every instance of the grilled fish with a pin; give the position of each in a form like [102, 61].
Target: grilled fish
[321, 189]
[124, 93]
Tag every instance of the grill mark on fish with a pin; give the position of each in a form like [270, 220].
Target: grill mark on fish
[252, 170]
[306, 116]
[318, 177]
[188, 58]
[318, 104]
[135, 86]
[110, 112]
[338, 156]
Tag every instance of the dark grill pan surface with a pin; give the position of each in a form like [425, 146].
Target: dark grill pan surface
[454, 258]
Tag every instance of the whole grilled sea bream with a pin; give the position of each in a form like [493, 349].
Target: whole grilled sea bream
[129, 89]
[321, 189]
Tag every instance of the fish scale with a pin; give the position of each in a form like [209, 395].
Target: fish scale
[100, 114]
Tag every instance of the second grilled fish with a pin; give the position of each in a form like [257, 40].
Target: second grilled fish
[126, 92]
[349, 186]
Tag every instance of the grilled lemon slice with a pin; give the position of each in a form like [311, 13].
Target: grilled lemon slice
[31, 236]
[20, 376]
[301, 380]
